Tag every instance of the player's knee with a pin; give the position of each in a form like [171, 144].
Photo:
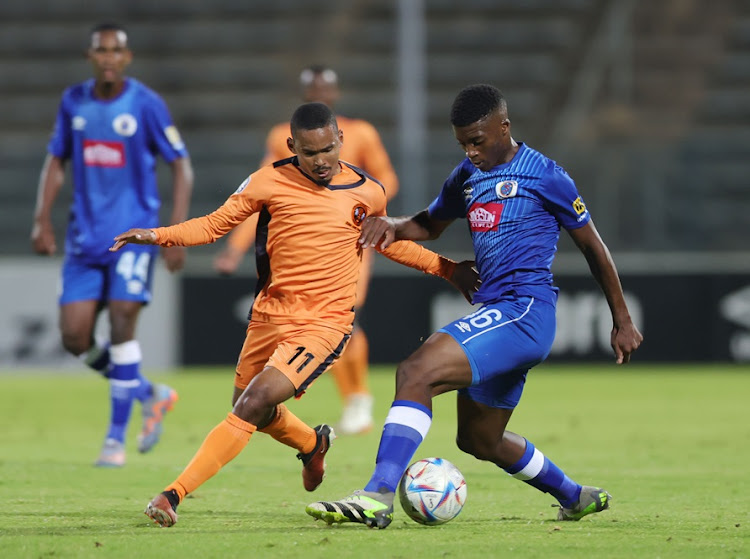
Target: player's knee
[76, 343]
[255, 406]
[473, 446]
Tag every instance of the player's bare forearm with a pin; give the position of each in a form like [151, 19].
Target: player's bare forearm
[384, 230]
[51, 180]
[625, 337]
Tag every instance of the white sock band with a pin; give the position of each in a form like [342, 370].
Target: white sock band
[411, 417]
[532, 469]
[125, 353]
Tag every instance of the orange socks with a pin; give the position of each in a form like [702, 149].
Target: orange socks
[222, 444]
[289, 429]
[350, 371]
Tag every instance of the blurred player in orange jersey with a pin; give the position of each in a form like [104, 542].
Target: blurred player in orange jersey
[363, 148]
[311, 208]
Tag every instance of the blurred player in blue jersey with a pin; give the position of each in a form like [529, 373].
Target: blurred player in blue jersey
[113, 128]
[515, 201]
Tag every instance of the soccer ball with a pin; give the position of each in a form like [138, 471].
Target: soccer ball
[432, 491]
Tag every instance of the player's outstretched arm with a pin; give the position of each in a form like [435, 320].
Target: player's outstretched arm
[385, 230]
[135, 237]
[625, 337]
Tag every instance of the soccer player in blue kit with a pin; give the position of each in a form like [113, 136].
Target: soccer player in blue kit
[112, 127]
[515, 201]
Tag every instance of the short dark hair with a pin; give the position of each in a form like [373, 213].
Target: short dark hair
[312, 116]
[475, 102]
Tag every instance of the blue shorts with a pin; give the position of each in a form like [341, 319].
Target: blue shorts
[126, 275]
[503, 340]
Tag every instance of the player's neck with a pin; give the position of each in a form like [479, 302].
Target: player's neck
[108, 90]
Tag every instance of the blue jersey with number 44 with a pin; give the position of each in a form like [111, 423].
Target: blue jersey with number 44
[113, 145]
[514, 212]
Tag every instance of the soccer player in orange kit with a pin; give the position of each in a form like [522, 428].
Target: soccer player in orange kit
[362, 147]
[311, 207]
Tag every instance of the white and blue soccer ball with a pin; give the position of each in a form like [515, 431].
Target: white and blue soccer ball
[432, 491]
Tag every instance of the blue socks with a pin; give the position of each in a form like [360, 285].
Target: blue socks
[539, 471]
[125, 385]
[405, 428]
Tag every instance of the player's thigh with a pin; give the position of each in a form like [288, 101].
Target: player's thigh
[439, 363]
[502, 341]
[301, 352]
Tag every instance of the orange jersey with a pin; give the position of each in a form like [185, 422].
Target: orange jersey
[308, 257]
[362, 147]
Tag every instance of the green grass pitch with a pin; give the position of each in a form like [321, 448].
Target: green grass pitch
[670, 443]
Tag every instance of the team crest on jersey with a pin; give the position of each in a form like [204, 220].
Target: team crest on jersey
[506, 189]
[359, 213]
[125, 124]
[78, 123]
[485, 217]
[468, 193]
[173, 135]
[244, 184]
[579, 206]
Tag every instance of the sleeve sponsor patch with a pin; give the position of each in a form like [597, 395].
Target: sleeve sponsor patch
[242, 186]
[173, 135]
[579, 206]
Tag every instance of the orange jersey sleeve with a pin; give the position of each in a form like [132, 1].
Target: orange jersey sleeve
[418, 257]
[209, 228]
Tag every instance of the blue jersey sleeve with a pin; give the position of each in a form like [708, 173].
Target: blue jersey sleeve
[60, 144]
[162, 132]
[450, 203]
[562, 200]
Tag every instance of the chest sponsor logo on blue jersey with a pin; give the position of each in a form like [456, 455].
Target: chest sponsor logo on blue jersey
[506, 189]
[100, 153]
[125, 124]
[484, 217]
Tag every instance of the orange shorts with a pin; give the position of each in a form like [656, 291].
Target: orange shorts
[301, 352]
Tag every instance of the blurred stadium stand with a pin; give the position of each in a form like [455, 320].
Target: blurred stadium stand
[648, 107]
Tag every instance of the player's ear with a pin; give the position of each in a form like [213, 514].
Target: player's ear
[290, 145]
[341, 136]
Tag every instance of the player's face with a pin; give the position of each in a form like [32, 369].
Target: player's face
[318, 152]
[109, 55]
[486, 142]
